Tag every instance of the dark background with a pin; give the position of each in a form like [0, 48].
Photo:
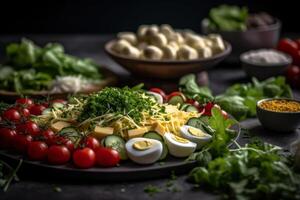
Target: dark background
[109, 16]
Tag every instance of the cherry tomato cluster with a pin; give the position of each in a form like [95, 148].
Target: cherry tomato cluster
[202, 108]
[292, 47]
[20, 134]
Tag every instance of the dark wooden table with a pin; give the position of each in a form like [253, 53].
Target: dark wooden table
[33, 187]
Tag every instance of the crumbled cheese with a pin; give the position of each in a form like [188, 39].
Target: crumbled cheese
[266, 56]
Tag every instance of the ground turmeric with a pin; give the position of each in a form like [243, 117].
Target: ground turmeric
[280, 105]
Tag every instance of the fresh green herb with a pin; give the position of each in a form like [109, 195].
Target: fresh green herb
[123, 101]
[240, 99]
[151, 190]
[256, 171]
[30, 67]
[188, 85]
[8, 174]
[228, 18]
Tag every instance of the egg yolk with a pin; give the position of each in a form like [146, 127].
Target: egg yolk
[180, 139]
[142, 145]
[196, 132]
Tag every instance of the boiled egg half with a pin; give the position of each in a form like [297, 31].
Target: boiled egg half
[144, 150]
[195, 135]
[178, 146]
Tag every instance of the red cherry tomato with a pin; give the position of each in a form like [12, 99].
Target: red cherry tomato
[287, 46]
[176, 94]
[64, 141]
[31, 128]
[91, 142]
[107, 157]
[24, 101]
[193, 102]
[7, 137]
[12, 115]
[48, 136]
[21, 142]
[159, 91]
[37, 150]
[36, 109]
[84, 158]
[207, 108]
[58, 155]
[24, 112]
[293, 75]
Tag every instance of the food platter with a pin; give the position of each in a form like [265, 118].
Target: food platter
[109, 79]
[126, 171]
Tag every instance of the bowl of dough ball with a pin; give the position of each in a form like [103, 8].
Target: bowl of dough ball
[163, 52]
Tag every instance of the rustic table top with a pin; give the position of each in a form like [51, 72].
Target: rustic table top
[33, 187]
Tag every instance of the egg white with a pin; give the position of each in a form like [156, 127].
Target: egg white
[178, 149]
[147, 156]
[200, 141]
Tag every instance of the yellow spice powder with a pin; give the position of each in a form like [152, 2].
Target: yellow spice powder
[280, 105]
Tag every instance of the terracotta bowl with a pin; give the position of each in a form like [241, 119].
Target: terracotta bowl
[165, 69]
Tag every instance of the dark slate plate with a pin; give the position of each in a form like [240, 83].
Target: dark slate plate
[127, 171]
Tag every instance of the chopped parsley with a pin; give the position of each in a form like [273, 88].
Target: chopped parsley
[124, 101]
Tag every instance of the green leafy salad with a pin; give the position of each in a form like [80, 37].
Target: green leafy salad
[240, 99]
[29, 67]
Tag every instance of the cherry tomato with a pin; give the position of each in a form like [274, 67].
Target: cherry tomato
[37, 150]
[84, 158]
[36, 109]
[193, 102]
[21, 142]
[58, 154]
[24, 112]
[293, 75]
[24, 101]
[91, 142]
[207, 108]
[6, 137]
[287, 46]
[107, 157]
[176, 94]
[159, 91]
[12, 115]
[64, 141]
[31, 128]
[48, 136]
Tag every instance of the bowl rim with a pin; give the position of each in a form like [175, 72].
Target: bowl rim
[274, 26]
[224, 53]
[283, 64]
[277, 98]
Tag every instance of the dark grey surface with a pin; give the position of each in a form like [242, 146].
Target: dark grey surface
[39, 187]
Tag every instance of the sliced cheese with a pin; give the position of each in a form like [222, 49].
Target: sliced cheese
[159, 128]
[57, 126]
[138, 132]
[101, 132]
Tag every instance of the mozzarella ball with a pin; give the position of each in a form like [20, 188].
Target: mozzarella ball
[217, 43]
[152, 52]
[151, 31]
[195, 41]
[178, 146]
[144, 150]
[141, 31]
[167, 30]
[119, 45]
[174, 45]
[169, 52]
[131, 51]
[205, 52]
[186, 52]
[128, 36]
[195, 135]
[158, 40]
